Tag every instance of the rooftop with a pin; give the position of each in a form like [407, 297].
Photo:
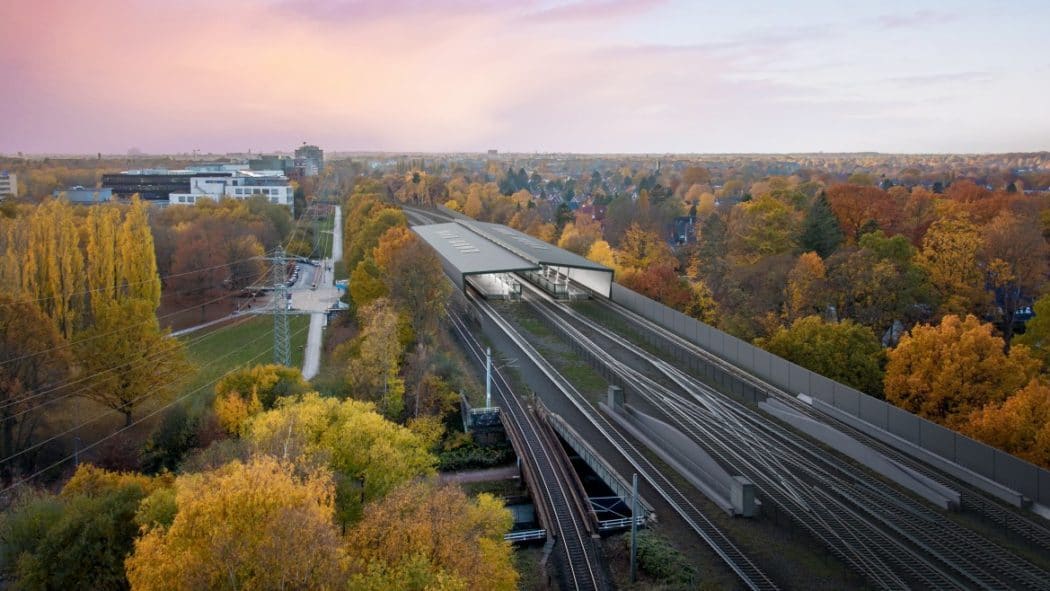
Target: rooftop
[532, 249]
[470, 252]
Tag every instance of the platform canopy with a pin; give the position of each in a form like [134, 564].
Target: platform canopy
[464, 252]
[595, 277]
[481, 248]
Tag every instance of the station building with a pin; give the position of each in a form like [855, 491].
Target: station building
[494, 259]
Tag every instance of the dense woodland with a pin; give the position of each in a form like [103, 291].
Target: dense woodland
[913, 287]
[351, 496]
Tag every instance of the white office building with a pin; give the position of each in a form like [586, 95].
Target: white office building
[241, 184]
[8, 184]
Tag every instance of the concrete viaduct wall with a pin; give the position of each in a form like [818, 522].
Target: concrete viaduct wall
[998, 466]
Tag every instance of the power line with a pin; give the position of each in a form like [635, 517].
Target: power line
[158, 277]
[136, 363]
[136, 422]
[168, 315]
[110, 411]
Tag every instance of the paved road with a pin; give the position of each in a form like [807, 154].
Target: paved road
[312, 354]
[316, 301]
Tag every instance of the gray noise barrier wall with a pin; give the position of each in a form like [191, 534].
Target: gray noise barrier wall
[980, 460]
[685, 456]
[925, 487]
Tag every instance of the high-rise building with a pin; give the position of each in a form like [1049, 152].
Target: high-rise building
[8, 184]
[309, 160]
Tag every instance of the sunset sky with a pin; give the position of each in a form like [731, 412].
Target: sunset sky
[82, 76]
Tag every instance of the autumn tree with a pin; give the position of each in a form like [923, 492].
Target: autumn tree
[104, 275]
[843, 351]
[642, 249]
[137, 263]
[373, 373]
[414, 279]
[131, 361]
[805, 294]
[245, 265]
[198, 261]
[52, 264]
[878, 283]
[369, 454]
[259, 525]
[949, 256]
[601, 253]
[79, 538]
[702, 304]
[1014, 255]
[1037, 331]
[762, 227]
[445, 540]
[34, 360]
[366, 283]
[1020, 425]
[661, 283]
[863, 208]
[243, 393]
[945, 372]
[578, 236]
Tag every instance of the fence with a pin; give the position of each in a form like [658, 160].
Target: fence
[986, 461]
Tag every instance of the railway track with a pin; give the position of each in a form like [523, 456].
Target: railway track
[582, 570]
[1032, 530]
[896, 541]
[749, 573]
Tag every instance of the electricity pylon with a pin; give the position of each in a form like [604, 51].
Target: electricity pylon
[281, 341]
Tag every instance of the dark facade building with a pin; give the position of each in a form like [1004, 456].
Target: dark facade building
[309, 160]
[153, 185]
[281, 163]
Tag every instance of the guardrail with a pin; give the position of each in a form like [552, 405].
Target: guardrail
[529, 535]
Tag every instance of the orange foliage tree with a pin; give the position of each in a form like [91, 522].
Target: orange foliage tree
[946, 372]
[862, 208]
[1020, 425]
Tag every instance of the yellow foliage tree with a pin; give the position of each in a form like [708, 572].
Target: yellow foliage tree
[445, 541]
[233, 411]
[601, 253]
[370, 454]
[804, 292]
[134, 361]
[374, 373]
[946, 372]
[137, 263]
[949, 256]
[244, 526]
[1020, 425]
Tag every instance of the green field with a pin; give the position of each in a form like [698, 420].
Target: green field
[322, 231]
[218, 350]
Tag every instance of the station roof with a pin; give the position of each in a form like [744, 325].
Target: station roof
[532, 249]
[470, 252]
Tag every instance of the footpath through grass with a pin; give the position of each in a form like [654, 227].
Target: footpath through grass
[226, 347]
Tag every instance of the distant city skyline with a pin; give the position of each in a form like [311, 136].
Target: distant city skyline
[585, 76]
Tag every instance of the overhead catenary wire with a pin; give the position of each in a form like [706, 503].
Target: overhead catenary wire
[129, 327]
[110, 411]
[128, 283]
[134, 363]
[133, 424]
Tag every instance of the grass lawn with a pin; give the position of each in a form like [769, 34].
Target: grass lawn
[323, 233]
[252, 339]
[340, 271]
